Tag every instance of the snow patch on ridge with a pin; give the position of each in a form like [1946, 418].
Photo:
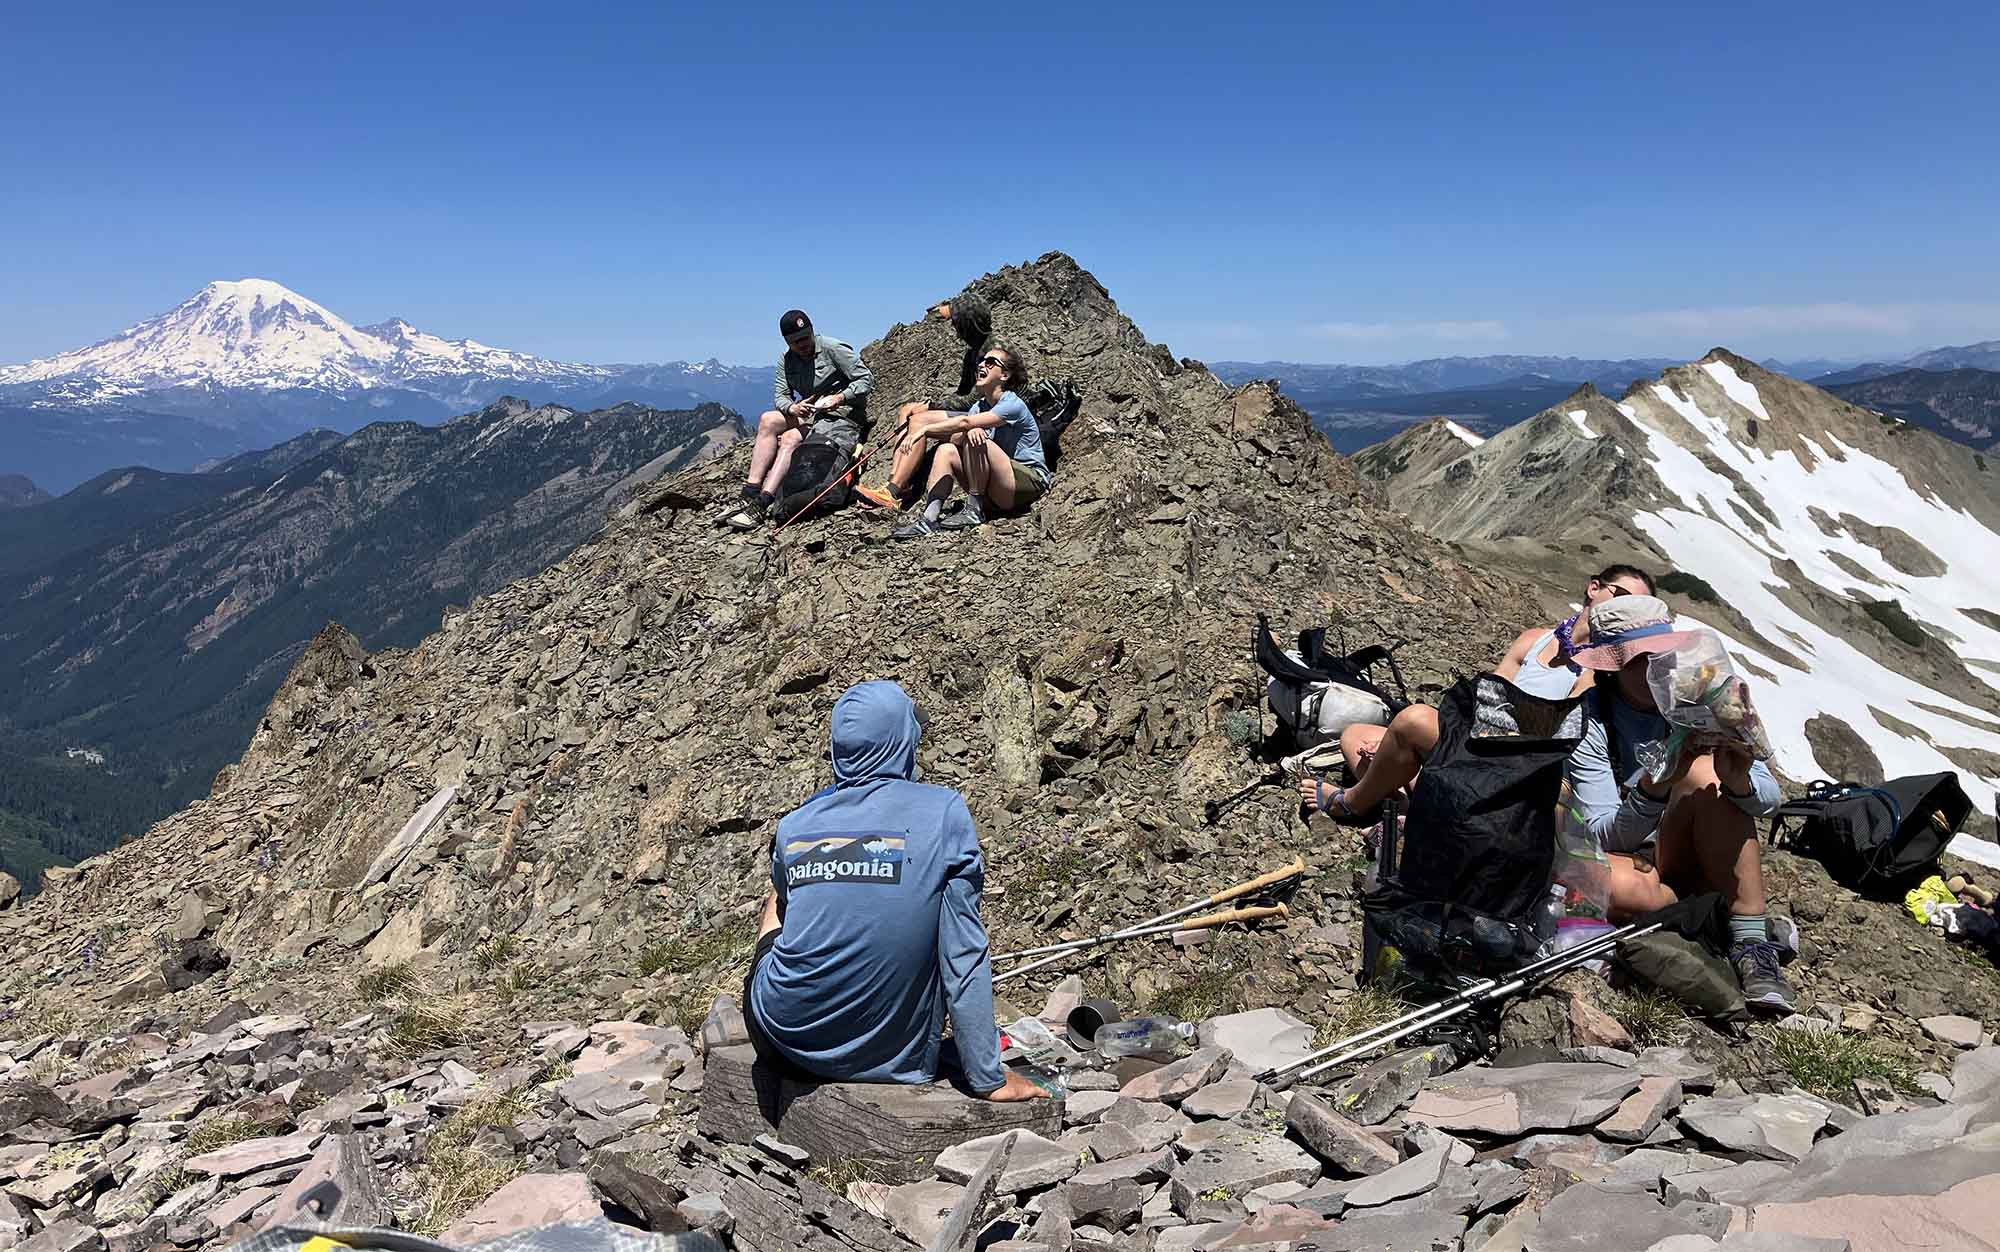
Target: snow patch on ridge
[1707, 537]
[1735, 388]
[1582, 419]
[1471, 440]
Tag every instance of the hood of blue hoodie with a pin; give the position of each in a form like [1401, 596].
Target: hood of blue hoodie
[875, 734]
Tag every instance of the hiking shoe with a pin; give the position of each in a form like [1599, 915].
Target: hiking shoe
[964, 519]
[1785, 933]
[878, 498]
[749, 517]
[916, 529]
[1764, 987]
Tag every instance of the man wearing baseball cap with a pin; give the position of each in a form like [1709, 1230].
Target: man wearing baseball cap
[1692, 832]
[821, 388]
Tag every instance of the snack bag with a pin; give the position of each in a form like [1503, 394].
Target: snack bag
[1697, 689]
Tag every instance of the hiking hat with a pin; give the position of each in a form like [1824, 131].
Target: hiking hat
[1624, 627]
[793, 322]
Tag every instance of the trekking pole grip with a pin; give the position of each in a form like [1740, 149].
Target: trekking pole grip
[1297, 867]
[1236, 915]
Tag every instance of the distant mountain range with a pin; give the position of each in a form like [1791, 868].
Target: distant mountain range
[150, 615]
[1961, 404]
[250, 363]
[18, 492]
[1839, 549]
[1356, 406]
[1974, 356]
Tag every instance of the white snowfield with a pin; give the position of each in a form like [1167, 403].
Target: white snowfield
[1470, 440]
[1708, 538]
[256, 333]
[1582, 419]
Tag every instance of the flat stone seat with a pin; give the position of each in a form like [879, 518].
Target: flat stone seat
[901, 1128]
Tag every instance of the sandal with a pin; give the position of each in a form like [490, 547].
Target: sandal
[1336, 808]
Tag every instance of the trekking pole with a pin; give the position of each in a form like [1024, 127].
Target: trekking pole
[1255, 914]
[853, 471]
[1214, 809]
[1244, 888]
[1451, 1006]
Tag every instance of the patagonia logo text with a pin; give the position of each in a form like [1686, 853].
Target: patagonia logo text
[848, 858]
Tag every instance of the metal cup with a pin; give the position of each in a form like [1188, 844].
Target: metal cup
[1089, 1017]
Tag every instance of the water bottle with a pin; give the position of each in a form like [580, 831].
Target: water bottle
[1159, 1038]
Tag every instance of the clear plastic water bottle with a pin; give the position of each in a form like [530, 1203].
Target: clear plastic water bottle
[1157, 1037]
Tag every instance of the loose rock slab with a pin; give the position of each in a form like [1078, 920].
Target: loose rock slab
[1778, 1128]
[1343, 1144]
[1242, 1169]
[1260, 1039]
[528, 1201]
[1036, 1163]
[1551, 1096]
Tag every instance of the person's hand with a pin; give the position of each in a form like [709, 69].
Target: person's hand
[824, 403]
[1732, 767]
[975, 435]
[1014, 1090]
[800, 409]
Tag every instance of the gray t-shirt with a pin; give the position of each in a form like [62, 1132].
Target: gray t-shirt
[1017, 434]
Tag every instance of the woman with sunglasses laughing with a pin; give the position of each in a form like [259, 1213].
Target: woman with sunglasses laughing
[994, 452]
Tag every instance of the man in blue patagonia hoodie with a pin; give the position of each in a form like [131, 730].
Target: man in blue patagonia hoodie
[873, 930]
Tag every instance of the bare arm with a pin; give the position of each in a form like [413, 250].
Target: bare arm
[940, 422]
[1517, 651]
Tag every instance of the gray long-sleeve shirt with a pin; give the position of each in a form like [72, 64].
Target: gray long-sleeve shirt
[833, 362]
[1625, 823]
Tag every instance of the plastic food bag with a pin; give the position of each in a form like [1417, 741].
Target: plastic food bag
[1580, 896]
[1705, 701]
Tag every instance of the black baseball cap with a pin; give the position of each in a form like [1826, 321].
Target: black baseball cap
[793, 322]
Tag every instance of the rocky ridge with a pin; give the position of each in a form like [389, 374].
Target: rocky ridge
[556, 809]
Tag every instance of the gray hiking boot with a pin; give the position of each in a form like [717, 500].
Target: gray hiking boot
[1764, 986]
[917, 528]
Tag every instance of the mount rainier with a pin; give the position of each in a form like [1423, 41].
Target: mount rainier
[247, 363]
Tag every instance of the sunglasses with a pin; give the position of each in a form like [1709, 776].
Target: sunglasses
[994, 361]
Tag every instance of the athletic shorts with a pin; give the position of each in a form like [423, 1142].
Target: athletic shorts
[1028, 485]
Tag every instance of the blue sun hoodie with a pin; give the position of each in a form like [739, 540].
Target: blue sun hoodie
[878, 885]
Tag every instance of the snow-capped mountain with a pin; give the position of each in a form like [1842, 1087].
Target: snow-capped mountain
[249, 363]
[1847, 556]
[254, 333]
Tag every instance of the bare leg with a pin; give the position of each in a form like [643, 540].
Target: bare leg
[945, 473]
[1407, 743]
[774, 478]
[906, 462]
[992, 473]
[1359, 744]
[1635, 889]
[769, 428]
[1708, 844]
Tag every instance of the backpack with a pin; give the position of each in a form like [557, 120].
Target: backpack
[1879, 841]
[1055, 403]
[815, 464]
[1317, 694]
[1463, 892]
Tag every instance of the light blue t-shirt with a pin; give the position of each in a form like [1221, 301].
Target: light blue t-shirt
[1017, 434]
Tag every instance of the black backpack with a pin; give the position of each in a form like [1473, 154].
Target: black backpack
[1055, 403]
[1879, 841]
[1315, 666]
[816, 464]
[1462, 894]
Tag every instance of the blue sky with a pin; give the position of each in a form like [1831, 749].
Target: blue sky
[1318, 182]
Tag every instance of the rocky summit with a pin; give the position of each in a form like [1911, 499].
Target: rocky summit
[455, 929]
